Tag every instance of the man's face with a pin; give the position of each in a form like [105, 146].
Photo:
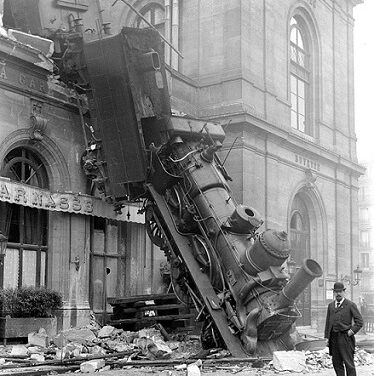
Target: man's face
[339, 295]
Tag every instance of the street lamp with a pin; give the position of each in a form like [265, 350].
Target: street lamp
[357, 272]
[3, 244]
[357, 277]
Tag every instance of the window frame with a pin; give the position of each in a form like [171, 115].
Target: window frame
[24, 165]
[301, 120]
[364, 240]
[152, 8]
[365, 260]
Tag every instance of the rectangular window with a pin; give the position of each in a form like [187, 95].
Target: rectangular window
[364, 214]
[365, 260]
[28, 229]
[364, 239]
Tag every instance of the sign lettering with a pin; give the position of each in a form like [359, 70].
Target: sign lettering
[64, 203]
[308, 163]
[4, 192]
[22, 80]
[37, 199]
[20, 195]
[34, 197]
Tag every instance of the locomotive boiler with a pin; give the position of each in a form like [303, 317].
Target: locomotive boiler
[221, 259]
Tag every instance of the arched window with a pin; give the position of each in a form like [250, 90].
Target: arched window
[154, 13]
[26, 227]
[165, 18]
[300, 77]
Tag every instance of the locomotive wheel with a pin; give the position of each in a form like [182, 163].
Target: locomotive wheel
[208, 263]
[177, 278]
[153, 229]
[183, 218]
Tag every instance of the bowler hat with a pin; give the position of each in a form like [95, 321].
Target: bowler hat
[338, 286]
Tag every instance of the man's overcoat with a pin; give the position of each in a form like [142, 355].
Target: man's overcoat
[346, 317]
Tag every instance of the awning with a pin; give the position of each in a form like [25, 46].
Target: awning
[70, 202]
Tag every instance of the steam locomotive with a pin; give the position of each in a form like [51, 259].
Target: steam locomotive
[220, 259]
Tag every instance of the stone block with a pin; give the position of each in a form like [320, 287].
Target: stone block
[19, 350]
[193, 370]
[106, 331]
[92, 365]
[37, 357]
[38, 339]
[46, 46]
[289, 361]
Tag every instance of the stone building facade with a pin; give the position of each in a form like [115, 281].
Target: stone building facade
[279, 77]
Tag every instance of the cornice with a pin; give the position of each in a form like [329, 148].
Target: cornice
[12, 48]
[290, 137]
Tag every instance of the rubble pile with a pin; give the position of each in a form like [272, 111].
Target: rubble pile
[316, 360]
[98, 348]
[311, 361]
[91, 346]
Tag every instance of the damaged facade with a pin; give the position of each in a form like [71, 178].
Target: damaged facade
[279, 77]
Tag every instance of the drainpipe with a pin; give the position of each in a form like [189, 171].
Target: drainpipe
[350, 231]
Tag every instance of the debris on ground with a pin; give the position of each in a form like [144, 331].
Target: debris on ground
[94, 347]
[289, 361]
[98, 348]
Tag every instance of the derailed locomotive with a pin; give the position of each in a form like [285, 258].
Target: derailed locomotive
[233, 272]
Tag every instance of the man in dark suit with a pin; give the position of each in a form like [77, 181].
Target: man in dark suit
[343, 321]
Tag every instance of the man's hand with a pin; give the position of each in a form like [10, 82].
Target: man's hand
[350, 332]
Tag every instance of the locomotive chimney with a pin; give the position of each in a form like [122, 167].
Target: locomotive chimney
[303, 277]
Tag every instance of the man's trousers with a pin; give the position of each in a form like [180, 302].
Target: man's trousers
[342, 350]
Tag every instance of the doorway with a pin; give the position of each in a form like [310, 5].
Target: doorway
[300, 250]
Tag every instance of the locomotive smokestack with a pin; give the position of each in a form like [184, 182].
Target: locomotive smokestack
[303, 277]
